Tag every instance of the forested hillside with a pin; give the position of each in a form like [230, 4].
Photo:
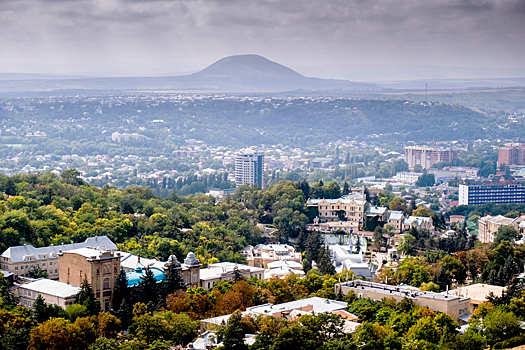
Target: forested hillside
[45, 209]
[84, 125]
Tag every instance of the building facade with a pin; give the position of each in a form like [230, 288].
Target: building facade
[249, 165]
[21, 259]
[100, 267]
[488, 226]
[428, 156]
[351, 208]
[454, 306]
[225, 271]
[500, 193]
[512, 154]
[53, 293]
[263, 254]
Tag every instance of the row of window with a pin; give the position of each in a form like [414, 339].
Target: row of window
[27, 267]
[333, 208]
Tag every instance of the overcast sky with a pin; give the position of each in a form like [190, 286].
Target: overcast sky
[114, 37]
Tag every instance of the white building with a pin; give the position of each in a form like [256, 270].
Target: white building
[344, 258]
[249, 165]
[310, 305]
[53, 292]
[407, 177]
[263, 254]
[225, 271]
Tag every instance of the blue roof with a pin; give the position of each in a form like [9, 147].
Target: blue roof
[134, 277]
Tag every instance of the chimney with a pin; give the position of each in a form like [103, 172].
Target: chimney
[139, 259]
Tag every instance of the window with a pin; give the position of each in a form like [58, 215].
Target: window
[25, 292]
[56, 271]
[195, 278]
[43, 264]
[106, 283]
[16, 268]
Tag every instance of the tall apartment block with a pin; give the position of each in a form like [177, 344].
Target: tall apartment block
[428, 156]
[512, 154]
[249, 165]
[476, 194]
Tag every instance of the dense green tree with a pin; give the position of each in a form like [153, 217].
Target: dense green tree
[87, 298]
[232, 334]
[324, 263]
[172, 276]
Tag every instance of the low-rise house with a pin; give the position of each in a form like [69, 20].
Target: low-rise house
[343, 258]
[454, 306]
[477, 293]
[283, 268]
[418, 222]
[488, 226]
[263, 254]
[309, 305]
[396, 218]
[53, 292]
[225, 271]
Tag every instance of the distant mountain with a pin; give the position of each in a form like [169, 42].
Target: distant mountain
[247, 66]
[256, 73]
[243, 73]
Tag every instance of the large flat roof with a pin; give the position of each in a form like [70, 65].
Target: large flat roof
[477, 292]
[402, 291]
[225, 269]
[319, 305]
[51, 287]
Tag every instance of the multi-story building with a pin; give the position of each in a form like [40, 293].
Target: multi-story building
[488, 226]
[428, 156]
[512, 154]
[99, 266]
[264, 254]
[225, 271]
[53, 292]
[407, 177]
[21, 259]
[249, 165]
[351, 208]
[499, 193]
[454, 306]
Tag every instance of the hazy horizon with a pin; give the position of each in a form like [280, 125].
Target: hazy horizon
[138, 37]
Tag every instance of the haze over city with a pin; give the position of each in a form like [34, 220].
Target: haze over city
[262, 174]
[333, 38]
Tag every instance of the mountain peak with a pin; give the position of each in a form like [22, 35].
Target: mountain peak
[247, 66]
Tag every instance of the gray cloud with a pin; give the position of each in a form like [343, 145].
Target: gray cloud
[175, 35]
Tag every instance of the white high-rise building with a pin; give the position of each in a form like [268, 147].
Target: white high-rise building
[249, 165]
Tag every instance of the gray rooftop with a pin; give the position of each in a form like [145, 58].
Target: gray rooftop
[404, 291]
[16, 254]
[51, 287]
